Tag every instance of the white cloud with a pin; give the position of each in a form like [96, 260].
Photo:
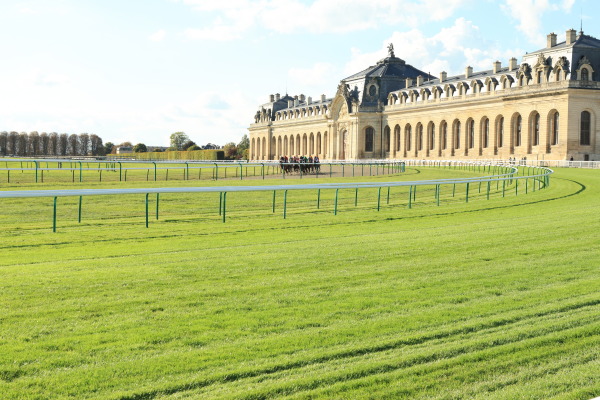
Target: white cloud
[529, 13]
[316, 79]
[158, 36]
[232, 18]
[450, 50]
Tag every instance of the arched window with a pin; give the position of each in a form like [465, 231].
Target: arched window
[471, 133]
[444, 135]
[407, 134]
[397, 134]
[420, 137]
[500, 131]
[539, 76]
[555, 124]
[584, 132]
[369, 133]
[486, 132]
[457, 135]
[536, 129]
[518, 122]
[585, 75]
[386, 138]
[431, 136]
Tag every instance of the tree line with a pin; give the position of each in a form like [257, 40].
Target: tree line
[50, 144]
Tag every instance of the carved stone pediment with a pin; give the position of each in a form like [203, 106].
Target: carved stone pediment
[541, 61]
[525, 69]
[562, 63]
[583, 61]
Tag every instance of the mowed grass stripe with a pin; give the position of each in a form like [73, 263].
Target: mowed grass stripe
[185, 309]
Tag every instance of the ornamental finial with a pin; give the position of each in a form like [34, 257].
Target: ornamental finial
[391, 50]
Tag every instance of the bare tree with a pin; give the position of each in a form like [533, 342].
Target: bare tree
[22, 144]
[53, 144]
[73, 145]
[33, 143]
[84, 144]
[3, 143]
[63, 143]
[44, 139]
[13, 138]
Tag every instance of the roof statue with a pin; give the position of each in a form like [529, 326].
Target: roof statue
[391, 50]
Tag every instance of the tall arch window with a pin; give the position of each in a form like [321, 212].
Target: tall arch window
[457, 135]
[500, 131]
[584, 132]
[518, 122]
[486, 132]
[431, 136]
[539, 76]
[444, 135]
[386, 136]
[536, 129]
[397, 134]
[585, 75]
[369, 133]
[407, 133]
[420, 137]
[555, 124]
[471, 133]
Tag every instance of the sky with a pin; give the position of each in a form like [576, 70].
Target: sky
[139, 70]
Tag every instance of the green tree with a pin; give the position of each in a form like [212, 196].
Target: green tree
[178, 139]
[108, 147]
[230, 150]
[140, 148]
[243, 147]
[188, 144]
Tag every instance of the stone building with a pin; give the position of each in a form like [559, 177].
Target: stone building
[543, 108]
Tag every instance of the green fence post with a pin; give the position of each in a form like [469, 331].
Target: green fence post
[467, 193]
[335, 204]
[187, 171]
[356, 197]
[330, 170]
[516, 187]
[388, 195]
[410, 196]
[488, 190]
[438, 194]
[8, 177]
[120, 171]
[378, 198]
[284, 204]
[415, 193]
[479, 187]
[224, 205]
[526, 185]
[157, 201]
[36, 171]
[352, 170]
[318, 198]
[242, 172]
[147, 209]
[274, 191]
[80, 172]
[216, 172]
[343, 171]
[370, 169]
[262, 170]
[503, 187]
[80, 201]
[54, 216]
[220, 202]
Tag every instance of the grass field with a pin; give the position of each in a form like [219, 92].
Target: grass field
[493, 299]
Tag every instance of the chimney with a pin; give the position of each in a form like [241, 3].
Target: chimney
[571, 36]
[408, 82]
[296, 102]
[419, 80]
[512, 64]
[302, 98]
[468, 71]
[277, 96]
[309, 100]
[496, 66]
[296, 97]
[290, 103]
[272, 98]
[323, 98]
[443, 76]
[551, 40]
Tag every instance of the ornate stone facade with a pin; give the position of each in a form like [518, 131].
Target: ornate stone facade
[544, 108]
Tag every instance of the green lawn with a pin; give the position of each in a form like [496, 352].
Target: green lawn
[492, 299]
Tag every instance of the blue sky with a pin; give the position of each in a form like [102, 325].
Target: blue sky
[139, 70]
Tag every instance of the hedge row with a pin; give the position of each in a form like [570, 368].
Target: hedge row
[178, 155]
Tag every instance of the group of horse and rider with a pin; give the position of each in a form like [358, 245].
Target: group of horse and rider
[300, 164]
